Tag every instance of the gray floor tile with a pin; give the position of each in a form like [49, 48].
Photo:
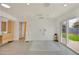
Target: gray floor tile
[35, 48]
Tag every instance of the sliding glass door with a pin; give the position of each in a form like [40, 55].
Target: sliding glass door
[70, 34]
[73, 34]
[64, 33]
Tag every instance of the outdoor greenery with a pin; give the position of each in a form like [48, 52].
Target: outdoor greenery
[64, 35]
[3, 26]
[73, 37]
[73, 31]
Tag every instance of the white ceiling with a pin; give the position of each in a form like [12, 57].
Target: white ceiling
[38, 9]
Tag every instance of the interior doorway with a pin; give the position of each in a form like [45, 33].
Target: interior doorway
[22, 31]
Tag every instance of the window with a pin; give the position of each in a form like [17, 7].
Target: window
[73, 35]
[70, 34]
[3, 24]
[3, 27]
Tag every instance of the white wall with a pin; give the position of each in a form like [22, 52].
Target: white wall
[16, 30]
[2, 13]
[42, 29]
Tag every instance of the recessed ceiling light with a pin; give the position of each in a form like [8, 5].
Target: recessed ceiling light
[28, 3]
[65, 5]
[5, 5]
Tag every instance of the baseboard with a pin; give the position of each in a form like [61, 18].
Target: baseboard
[27, 41]
[5, 43]
[10, 41]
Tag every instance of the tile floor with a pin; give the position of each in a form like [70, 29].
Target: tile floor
[35, 48]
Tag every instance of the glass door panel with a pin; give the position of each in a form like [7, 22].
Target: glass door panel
[64, 33]
[73, 34]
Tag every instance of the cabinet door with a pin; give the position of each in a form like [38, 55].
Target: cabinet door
[11, 28]
[4, 38]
